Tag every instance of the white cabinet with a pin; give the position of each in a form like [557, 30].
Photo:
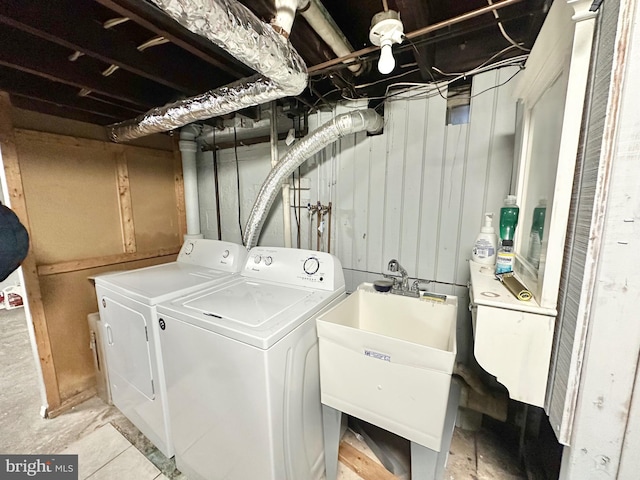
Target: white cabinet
[512, 338]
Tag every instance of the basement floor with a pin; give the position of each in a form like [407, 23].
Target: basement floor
[109, 446]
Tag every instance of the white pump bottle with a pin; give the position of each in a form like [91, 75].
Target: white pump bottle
[484, 250]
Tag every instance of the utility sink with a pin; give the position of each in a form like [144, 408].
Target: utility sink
[387, 359]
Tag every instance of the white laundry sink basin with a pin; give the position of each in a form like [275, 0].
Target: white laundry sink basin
[387, 359]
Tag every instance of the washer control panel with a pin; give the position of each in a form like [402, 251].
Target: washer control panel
[295, 267]
[225, 256]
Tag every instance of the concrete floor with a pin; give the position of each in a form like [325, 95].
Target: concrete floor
[473, 455]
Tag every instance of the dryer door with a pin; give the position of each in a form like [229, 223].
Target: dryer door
[127, 345]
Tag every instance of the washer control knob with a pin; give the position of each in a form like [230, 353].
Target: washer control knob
[311, 265]
[225, 254]
[268, 260]
[257, 259]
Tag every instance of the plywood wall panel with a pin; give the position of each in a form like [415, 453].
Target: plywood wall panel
[71, 197]
[68, 298]
[153, 199]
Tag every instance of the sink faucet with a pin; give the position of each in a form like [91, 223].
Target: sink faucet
[394, 266]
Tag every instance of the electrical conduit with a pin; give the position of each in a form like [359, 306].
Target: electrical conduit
[339, 126]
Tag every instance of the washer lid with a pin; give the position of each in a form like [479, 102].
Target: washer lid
[248, 303]
[251, 311]
[161, 282]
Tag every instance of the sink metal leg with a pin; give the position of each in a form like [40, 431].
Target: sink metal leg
[427, 464]
[331, 420]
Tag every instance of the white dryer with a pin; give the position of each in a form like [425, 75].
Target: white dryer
[127, 303]
[241, 364]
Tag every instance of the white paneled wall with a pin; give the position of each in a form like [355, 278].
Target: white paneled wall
[253, 165]
[419, 191]
[416, 193]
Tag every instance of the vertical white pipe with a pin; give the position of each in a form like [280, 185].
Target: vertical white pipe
[188, 149]
[286, 202]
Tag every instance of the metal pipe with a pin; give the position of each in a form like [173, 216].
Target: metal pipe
[323, 24]
[418, 33]
[318, 221]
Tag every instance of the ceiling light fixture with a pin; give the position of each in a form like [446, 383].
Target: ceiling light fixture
[386, 29]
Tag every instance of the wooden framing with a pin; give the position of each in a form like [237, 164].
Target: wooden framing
[124, 199]
[32, 284]
[179, 181]
[89, 263]
[84, 196]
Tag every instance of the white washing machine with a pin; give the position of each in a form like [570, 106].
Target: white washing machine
[127, 302]
[241, 364]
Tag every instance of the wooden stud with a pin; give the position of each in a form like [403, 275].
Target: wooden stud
[71, 402]
[361, 464]
[124, 199]
[32, 283]
[87, 263]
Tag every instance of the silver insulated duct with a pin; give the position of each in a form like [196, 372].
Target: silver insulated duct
[339, 126]
[231, 26]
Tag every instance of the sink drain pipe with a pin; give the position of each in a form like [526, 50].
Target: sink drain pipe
[339, 126]
[231, 26]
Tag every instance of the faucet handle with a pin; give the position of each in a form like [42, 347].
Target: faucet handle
[393, 278]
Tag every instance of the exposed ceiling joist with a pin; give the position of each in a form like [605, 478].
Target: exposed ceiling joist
[154, 20]
[56, 55]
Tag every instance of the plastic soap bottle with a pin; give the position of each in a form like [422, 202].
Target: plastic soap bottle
[509, 218]
[537, 233]
[504, 259]
[486, 246]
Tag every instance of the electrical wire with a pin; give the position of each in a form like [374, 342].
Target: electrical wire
[386, 79]
[504, 33]
[457, 74]
[235, 150]
[432, 92]
[415, 49]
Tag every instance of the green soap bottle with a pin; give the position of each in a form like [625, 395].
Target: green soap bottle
[537, 233]
[509, 218]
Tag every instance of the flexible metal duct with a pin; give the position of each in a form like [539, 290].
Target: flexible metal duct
[353, 122]
[231, 26]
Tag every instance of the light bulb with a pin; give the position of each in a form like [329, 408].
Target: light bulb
[387, 63]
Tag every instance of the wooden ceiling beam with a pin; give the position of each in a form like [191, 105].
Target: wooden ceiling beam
[19, 51]
[26, 85]
[156, 21]
[88, 36]
[63, 111]
[414, 15]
